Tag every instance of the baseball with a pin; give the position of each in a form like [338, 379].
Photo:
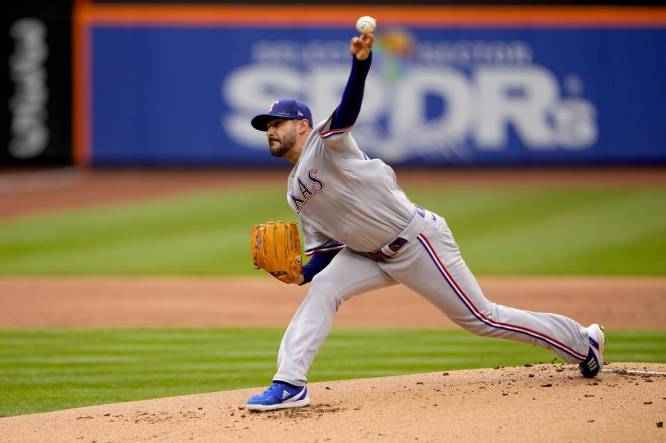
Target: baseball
[366, 24]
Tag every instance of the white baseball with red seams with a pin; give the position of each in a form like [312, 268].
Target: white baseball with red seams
[366, 24]
[347, 201]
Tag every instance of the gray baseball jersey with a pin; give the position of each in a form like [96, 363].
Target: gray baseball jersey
[343, 197]
[346, 200]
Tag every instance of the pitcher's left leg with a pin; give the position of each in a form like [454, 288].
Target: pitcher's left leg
[349, 274]
[433, 267]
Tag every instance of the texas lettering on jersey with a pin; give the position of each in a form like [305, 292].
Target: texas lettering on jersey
[303, 190]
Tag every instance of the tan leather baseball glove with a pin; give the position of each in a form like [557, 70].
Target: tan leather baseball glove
[276, 248]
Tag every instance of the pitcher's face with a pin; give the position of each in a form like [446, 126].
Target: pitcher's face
[281, 136]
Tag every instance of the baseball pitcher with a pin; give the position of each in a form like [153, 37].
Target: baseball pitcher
[364, 233]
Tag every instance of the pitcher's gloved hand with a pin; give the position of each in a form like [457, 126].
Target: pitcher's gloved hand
[276, 248]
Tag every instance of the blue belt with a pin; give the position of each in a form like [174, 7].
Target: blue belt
[395, 245]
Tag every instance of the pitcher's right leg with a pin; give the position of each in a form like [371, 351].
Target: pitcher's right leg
[434, 268]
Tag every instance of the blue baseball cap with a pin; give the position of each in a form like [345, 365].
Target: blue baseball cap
[284, 108]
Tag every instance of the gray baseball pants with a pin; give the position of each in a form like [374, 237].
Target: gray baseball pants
[429, 263]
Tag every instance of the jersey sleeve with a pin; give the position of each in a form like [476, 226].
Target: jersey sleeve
[316, 241]
[332, 136]
[338, 139]
[336, 128]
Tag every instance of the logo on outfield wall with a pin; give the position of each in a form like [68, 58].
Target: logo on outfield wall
[433, 99]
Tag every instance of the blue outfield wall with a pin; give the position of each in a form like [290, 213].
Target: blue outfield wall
[480, 96]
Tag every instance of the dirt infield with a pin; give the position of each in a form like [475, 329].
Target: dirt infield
[538, 403]
[635, 303]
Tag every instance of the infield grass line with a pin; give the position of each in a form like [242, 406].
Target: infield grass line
[43, 370]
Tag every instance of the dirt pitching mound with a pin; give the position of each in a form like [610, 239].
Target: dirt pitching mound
[542, 402]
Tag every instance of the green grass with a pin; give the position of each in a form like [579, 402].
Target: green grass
[43, 370]
[507, 231]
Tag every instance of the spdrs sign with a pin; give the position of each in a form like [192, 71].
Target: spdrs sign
[185, 93]
[433, 98]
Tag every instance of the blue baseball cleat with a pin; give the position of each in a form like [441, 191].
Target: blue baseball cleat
[595, 359]
[279, 395]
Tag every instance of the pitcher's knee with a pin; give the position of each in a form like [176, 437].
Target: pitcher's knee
[326, 291]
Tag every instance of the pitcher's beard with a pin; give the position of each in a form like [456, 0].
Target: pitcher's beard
[286, 144]
[279, 151]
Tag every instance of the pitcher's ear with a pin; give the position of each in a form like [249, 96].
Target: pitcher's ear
[303, 125]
